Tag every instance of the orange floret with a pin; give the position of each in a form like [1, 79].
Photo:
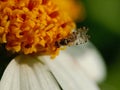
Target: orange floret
[72, 7]
[33, 26]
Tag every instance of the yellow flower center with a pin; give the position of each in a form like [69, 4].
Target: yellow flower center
[74, 8]
[33, 26]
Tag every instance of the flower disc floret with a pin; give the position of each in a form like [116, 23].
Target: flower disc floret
[33, 26]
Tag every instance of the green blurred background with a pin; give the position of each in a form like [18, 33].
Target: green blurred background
[103, 21]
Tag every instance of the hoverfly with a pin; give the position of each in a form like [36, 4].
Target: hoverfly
[75, 38]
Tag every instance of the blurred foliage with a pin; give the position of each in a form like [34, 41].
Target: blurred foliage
[103, 21]
[105, 12]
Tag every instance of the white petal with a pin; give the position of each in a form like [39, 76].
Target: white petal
[90, 60]
[69, 74]
[10, 77]
[27, 73]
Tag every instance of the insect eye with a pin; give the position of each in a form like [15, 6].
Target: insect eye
[63, 42]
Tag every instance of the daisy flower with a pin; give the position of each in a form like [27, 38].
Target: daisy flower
[36, 31]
